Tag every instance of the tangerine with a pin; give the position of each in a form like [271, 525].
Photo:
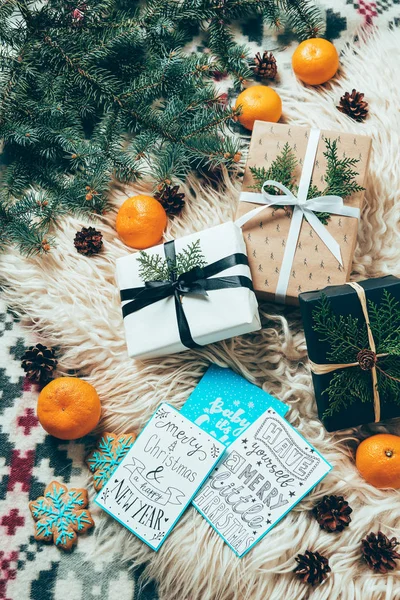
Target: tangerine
[141, 221]
[68, 408]
[258, 103]
[315, 61]
[378, 460]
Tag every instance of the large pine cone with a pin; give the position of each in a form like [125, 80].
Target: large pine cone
[379, 552]
[332, 513]
[312, 568]
[265, 66]
[88, 241]
[39, 362]
[354, 105]
[171, 199]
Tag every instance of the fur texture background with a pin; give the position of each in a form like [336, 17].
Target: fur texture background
[73, 302]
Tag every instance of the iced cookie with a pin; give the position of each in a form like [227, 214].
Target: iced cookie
[111, 449]
[61, 514]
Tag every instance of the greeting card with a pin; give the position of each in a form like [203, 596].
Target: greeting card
[159, 476]
[265, 472]
[224, 404]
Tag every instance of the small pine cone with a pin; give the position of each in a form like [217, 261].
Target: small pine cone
[366, 359]
[265, 66]
[170, 199]
[39, 362]
[88, 241]
[379, 552]
[332, 513]
[312, 568]
[354, 105]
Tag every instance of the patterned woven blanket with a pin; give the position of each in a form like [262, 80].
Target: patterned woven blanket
[30, 459]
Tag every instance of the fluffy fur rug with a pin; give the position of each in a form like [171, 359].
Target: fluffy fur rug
[73, 302]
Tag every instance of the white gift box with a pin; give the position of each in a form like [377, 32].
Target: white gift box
[222, 313]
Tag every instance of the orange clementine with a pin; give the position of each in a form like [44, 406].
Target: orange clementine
[258, 102]
[68, 408]
[315, 61]
[378, 460]
[141, 221]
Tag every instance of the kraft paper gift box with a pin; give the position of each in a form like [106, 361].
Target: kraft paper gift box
[355, 367]
[267, 233]
[196, 300]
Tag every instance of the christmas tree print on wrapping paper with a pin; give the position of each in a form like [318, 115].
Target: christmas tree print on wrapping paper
[348, 338]
[103, 461]
[339, 176]
[61, 514]
[155, 268]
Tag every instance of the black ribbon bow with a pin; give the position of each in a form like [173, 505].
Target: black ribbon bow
[197, 281]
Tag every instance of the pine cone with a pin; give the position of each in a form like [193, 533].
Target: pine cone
[313, 568]
[170, 199]
[366, 359]
[265, 66]
[39, 362]
[88, 241]
[332, 513]
[379, 552]
[354, 105]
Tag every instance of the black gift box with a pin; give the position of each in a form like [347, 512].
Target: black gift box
[356, 407]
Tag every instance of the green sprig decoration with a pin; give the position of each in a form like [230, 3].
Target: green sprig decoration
[340, 176]
[155, 268]
[101, 91]
[347, 337]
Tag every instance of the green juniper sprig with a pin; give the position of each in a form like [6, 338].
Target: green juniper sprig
[155, 268]
[346, 337]
[340, 176]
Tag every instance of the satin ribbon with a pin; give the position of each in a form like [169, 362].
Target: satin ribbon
[322, 369]
[197, 281]
[302, 208]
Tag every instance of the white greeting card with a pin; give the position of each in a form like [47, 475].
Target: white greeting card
[160, 475]
[265, 472]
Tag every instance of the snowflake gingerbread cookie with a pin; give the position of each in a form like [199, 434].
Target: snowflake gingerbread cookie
[103, 461]
[61, 514]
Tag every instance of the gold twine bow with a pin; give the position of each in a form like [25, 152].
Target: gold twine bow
[318, 369]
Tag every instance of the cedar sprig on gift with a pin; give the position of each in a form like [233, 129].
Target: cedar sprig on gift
[281, 169]
[189, 258]
[152, 267]
[348, 341]
[155, 268]
[340, 175]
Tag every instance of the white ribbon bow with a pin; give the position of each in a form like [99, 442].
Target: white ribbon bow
[302, 208]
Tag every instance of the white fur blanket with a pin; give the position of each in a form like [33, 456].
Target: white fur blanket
[73, 302]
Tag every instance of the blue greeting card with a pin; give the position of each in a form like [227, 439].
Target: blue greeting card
[224, 404]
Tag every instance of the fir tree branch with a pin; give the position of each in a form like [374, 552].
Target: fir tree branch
[111, 94]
